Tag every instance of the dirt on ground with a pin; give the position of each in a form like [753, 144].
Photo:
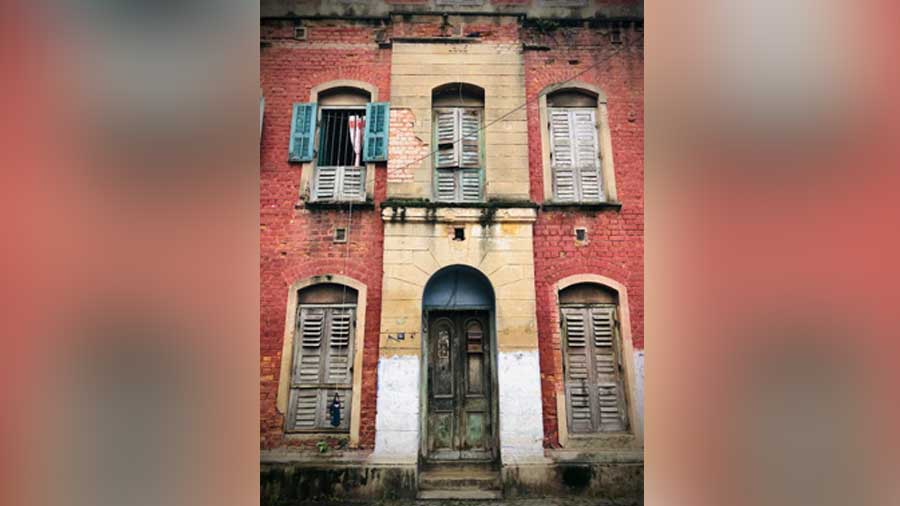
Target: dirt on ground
[544, 501]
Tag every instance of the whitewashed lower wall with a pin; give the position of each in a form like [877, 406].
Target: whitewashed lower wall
[521, 421]
[397, 419]
[639, 386]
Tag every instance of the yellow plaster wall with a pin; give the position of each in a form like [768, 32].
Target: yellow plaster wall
[415, 249]
[417, 68]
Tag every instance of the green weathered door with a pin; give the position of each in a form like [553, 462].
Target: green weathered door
[459, 386]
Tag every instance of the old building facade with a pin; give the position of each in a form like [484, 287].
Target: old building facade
[451, 247]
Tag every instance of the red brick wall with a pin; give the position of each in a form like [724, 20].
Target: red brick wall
[615, 238]
[296, 243]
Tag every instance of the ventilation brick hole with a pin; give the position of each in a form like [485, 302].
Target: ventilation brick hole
[459, 234]
[340, 235]
[581, 235]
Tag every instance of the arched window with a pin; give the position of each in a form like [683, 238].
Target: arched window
[322, 373]
[458, 140]
[339, 131]
[592, 359]
[577, 148]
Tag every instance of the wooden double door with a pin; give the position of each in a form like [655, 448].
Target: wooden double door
[460, 387]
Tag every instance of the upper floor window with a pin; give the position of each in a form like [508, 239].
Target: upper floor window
[340, 132]
[592, 352]
[322, 367]
[575, 158]
[458, 141]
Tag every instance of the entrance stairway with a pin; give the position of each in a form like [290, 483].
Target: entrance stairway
[459, 481]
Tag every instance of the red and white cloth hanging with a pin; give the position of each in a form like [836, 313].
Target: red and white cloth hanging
[357, 125]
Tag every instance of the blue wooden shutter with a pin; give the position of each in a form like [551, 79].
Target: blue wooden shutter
[378, 119]
[303, 132]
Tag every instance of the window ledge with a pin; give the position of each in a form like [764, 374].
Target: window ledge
[581, 206]
[428, 204]
[334, 204]
[602, 441]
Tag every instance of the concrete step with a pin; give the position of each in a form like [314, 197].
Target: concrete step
[459, 479]
[473, 495]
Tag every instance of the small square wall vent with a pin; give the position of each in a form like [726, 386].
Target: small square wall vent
[459, 234]
[340, 235]
[580, 235]
[300, 33]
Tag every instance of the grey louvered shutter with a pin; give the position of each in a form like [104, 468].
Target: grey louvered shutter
[469, 185]
[303, 131]
[445, 185]
[340, 344]
[562, 156]
[580, 411]
[609, 396]
[586, 155]
[470, 126]
[325, 186]
[352, 183]
[303, 408]
[339, 366]
[446, 134]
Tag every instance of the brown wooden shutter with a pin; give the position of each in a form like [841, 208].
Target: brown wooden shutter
[470, 126]
[446, 137]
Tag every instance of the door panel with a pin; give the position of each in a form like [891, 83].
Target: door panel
[459, 387]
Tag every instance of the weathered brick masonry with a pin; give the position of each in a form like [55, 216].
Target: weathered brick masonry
[615, 237]
[295, 239]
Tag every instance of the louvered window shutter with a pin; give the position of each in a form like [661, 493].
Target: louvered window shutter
[593, 383]
[378, 120]
[303, 132]
[446, 134]
[575, 158]
[586, 154]
[469, 185]
[578, 371]
[323, 368]
[445, 185]
[470, 126]
[562, 156]
[325, 186]
[610, 406]
[352, 183]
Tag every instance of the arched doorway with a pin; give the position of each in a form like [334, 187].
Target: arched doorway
[459, 352]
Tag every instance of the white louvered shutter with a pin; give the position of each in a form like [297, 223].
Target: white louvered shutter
[470, 126]
[587, 160]
[578, 371]
[575, 160]
[353, 183]
[447, 133]
[609, 397]
[326, 183]
[562, 156]
[470, 185]
[445, 185]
